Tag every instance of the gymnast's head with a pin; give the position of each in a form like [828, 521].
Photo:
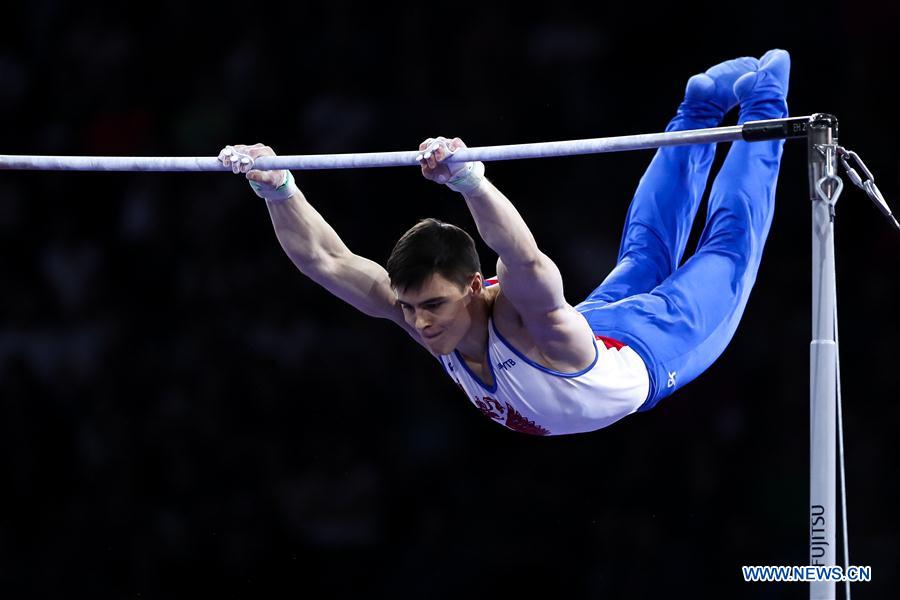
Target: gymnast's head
[435, 272]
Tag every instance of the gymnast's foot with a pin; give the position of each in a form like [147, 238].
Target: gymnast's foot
[763, 93]
[708, 96]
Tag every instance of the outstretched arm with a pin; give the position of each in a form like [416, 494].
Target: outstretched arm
[529, 279]
[320, 254]
[313, 245]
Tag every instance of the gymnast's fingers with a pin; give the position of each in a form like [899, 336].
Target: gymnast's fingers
[431, 150]
[437, 175]
[429, 146]
[225, 155]
[440, 153]
[422, 147]
[260, 150]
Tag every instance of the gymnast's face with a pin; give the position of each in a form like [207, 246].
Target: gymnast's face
[439, 311]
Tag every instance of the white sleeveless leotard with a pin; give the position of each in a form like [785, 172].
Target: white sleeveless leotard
[531, 398]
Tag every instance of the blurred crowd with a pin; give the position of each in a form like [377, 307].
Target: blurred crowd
[180, 409]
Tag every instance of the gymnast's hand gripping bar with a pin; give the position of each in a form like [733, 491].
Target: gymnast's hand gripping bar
[795, 127]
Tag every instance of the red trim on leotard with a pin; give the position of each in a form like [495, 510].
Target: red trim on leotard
[610, 342]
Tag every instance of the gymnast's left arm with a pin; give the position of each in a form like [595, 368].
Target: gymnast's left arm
[528, 278]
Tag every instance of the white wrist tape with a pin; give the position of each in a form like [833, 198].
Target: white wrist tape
[277, 194]
[468, 179]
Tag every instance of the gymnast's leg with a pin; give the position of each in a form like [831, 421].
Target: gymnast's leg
[698, 308]
[662, 211]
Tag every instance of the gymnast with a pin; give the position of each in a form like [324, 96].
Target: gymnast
[524, 356]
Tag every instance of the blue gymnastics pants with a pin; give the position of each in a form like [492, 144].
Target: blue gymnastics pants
[679, 319]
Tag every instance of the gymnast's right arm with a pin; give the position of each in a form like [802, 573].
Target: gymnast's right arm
[313, 245]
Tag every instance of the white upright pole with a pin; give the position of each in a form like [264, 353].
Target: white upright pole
[824, 187]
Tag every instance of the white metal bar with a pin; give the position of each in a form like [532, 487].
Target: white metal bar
[375, 159]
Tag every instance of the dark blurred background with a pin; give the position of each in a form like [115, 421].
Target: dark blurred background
[182, 413]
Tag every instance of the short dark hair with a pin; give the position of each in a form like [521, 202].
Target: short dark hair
[431, 246]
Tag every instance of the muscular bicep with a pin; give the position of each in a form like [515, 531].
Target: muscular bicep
[535, 291]
[534, 288]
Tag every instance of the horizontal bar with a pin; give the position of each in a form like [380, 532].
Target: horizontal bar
[776, 129]
[751, 131]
